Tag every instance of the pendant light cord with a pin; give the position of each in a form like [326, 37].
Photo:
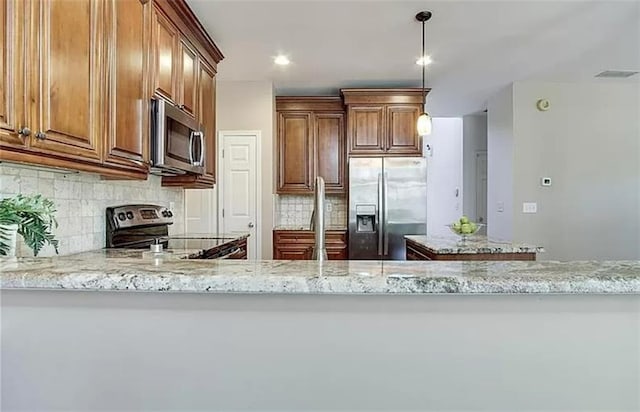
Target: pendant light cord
[424, 65]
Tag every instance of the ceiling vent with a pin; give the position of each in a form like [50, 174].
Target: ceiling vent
[616, 74]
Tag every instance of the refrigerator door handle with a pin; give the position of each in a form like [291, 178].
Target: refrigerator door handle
[385, 214]
[380, 216]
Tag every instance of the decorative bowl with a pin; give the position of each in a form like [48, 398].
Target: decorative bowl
[475, 228]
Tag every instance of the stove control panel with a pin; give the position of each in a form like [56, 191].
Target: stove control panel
[131, 216]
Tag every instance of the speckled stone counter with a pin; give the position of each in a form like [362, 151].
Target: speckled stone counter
[473, 245]
[130, 270]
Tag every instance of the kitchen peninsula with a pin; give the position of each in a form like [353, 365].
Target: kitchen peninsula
[293, 335]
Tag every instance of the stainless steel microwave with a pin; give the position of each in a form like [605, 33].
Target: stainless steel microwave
[177, 141]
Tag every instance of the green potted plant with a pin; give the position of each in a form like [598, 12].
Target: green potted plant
[33, 217]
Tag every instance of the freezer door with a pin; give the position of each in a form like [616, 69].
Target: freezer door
[405, 209]
[365, 184]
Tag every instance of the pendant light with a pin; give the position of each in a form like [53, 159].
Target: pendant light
[424, 121]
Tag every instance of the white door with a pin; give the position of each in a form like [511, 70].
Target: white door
[238, 187]
[481, 189]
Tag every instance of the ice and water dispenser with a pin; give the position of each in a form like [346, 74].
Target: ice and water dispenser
[365, 218]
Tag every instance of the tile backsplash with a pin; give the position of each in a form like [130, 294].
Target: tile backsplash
[81, 200]
[294, 211]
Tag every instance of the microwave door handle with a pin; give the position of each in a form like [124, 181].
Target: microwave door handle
[191, 147]
[201, 161]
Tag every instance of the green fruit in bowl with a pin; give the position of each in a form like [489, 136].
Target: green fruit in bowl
[457, 227]
[473, 226]
[465, 228]
[464, 220]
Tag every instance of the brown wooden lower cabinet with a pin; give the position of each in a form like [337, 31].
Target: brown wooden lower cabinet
[416, 251]
[298, 244]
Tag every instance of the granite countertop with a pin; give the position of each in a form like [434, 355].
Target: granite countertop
[299, 227]
[110, 270]
[474, 244]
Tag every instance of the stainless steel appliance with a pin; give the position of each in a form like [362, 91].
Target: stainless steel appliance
[318, 223]
[387, 200]
[140, 226]
[177, 141]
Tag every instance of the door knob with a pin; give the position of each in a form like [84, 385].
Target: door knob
[24, 131]
[250, 225]
[41, 136]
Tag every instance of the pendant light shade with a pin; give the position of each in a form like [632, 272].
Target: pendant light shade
[424, 124]
[424, 121]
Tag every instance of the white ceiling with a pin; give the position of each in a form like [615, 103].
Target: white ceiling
[477, 46]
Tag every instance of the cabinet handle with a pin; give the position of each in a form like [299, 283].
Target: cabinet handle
[24, 131]
[41, 136]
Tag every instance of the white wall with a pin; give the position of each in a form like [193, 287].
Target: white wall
[500, 166]
[474, 138]
[249, 105]
[588, 143]
[130, 351]
[444, 175]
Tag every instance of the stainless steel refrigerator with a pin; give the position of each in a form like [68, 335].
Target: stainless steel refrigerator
[387, 200]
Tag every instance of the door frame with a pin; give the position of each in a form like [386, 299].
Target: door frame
[223, 135]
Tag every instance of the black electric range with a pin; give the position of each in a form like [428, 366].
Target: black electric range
[140, 226]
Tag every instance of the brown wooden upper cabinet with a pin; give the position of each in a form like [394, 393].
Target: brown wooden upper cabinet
[165, 39]
[13, 94]
[188, 78]
[66, 79]
[207, 115]
[310, 143]
[127, 142]
[382, 122]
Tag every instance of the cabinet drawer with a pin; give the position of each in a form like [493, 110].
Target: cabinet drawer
[293, 236]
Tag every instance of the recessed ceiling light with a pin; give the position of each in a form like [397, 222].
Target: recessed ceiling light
[281, 60]
[424, 61]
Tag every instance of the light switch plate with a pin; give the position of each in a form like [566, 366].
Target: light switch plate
[545, 181]
[529, 207]
[500, 206]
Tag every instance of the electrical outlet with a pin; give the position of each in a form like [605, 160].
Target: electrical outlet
[329, 207]
[500, 206]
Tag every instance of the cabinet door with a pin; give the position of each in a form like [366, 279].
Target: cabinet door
[295, 149]
[188, 76]
[13, 95]
[402, 133]
[330, 150]
[207, 115]
[127, 136]
[366, 130]
[71, 75]
[164, 40]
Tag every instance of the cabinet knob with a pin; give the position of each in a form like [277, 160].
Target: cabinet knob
[41, 136]
[24, 131]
